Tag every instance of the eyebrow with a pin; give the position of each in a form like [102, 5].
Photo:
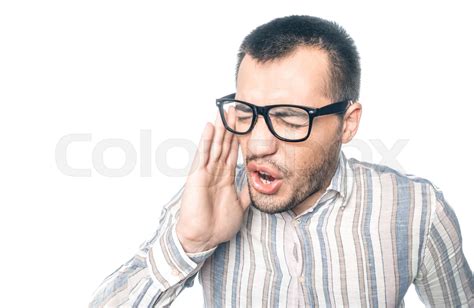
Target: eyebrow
[290, 112]
[242, 107]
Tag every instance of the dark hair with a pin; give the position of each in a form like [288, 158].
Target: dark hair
[279, 37]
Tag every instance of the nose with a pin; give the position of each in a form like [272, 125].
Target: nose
[261, 141]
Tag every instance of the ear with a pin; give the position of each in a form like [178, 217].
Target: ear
[351, 122]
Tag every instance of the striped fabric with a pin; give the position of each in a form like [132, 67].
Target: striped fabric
[372, 233]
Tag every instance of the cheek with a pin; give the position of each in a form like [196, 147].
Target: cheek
[325, 131]
[298, 158]
[304, 156]
[322, 139]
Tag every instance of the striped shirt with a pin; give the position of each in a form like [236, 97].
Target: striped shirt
[371, 235]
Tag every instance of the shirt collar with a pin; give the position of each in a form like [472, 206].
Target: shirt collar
[342, 180]
[341, 184]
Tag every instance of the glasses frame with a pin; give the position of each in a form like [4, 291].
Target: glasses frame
[333, 108]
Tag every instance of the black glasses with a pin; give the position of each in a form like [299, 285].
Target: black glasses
[286, 122]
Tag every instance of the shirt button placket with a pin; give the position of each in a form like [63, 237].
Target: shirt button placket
[299, 248]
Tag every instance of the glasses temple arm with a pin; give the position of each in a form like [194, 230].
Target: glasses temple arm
[333, 108]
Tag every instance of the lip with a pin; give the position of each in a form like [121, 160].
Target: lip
[254, 167]
[258, 184]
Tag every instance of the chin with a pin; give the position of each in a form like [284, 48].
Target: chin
[270, 204]
[269, 210]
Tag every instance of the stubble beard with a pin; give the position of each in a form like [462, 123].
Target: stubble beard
[306, 182]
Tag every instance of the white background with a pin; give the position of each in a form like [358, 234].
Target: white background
[113, 68]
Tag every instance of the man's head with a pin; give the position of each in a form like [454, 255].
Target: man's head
[296, 60]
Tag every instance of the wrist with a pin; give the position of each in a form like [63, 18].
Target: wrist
[192, 245]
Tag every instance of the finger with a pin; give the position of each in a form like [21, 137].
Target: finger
[202, 154]
[228, 136]
[233, 153]
[216, 147]
[244, 196]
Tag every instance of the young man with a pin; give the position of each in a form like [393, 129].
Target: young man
[298, 224]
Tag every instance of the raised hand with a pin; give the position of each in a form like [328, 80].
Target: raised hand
[211, 211]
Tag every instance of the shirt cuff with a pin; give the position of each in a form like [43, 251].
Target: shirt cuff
[199, 257]
[169, 262]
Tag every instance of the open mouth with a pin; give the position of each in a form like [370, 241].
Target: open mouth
[264, 179]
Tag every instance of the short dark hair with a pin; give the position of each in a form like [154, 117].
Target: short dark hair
[279, 37]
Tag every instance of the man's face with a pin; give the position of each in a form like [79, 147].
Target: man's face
[297, 170]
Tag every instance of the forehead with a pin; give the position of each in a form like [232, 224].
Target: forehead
[298, 78]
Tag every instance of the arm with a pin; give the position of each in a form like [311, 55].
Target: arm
[444, 278]
[206, 212]
[157, 273]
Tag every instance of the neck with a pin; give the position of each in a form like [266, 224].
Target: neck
[309, 202]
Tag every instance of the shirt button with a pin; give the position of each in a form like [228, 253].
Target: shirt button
[301, 279]
[296, 221]
[175, 272]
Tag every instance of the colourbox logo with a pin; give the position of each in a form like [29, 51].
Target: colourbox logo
[144, 154]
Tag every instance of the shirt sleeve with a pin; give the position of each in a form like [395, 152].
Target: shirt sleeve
[159, 271]
[444, 278]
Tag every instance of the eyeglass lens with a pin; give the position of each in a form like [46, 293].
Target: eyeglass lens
[287, 122]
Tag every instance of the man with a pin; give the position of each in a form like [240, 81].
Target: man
[298, 224]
